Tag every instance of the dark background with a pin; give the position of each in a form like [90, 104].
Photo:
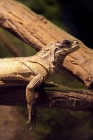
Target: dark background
[76, 15]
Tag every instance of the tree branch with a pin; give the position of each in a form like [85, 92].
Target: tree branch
[50, 95]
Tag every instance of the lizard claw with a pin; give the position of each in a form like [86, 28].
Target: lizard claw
[32, 116]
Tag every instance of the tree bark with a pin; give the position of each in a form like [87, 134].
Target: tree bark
[66, 98]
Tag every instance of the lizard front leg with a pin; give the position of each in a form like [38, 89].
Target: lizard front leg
[30, 97]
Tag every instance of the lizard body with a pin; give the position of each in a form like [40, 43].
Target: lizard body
[36, 69]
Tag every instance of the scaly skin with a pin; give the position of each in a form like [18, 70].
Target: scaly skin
[36, 69]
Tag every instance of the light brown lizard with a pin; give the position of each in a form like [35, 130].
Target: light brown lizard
[36, 69]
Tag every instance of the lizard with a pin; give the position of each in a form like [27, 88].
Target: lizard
[36, 69]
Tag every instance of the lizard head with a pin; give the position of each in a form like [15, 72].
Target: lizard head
[55, 52]
[60, 50]
[65, 47]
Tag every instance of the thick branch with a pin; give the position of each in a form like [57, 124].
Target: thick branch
[37, 31]
[58, 97]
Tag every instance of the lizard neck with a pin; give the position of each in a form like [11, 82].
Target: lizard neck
[58, 63]
[54, 63]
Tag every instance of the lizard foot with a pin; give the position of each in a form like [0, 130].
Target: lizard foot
[32, 116]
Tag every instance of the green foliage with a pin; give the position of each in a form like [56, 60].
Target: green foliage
[4, 51]
[65, 79]
[22, 47]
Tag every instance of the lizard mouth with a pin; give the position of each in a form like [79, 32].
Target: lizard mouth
[75, 44]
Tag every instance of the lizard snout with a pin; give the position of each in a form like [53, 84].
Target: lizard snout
[75, 42]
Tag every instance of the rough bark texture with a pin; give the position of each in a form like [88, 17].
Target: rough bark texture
[50, 95]
[37, 32]
[70, 99]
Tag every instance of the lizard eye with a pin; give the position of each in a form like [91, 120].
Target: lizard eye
[66, 43]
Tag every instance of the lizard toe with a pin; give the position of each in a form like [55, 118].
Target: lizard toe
[32, 117]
